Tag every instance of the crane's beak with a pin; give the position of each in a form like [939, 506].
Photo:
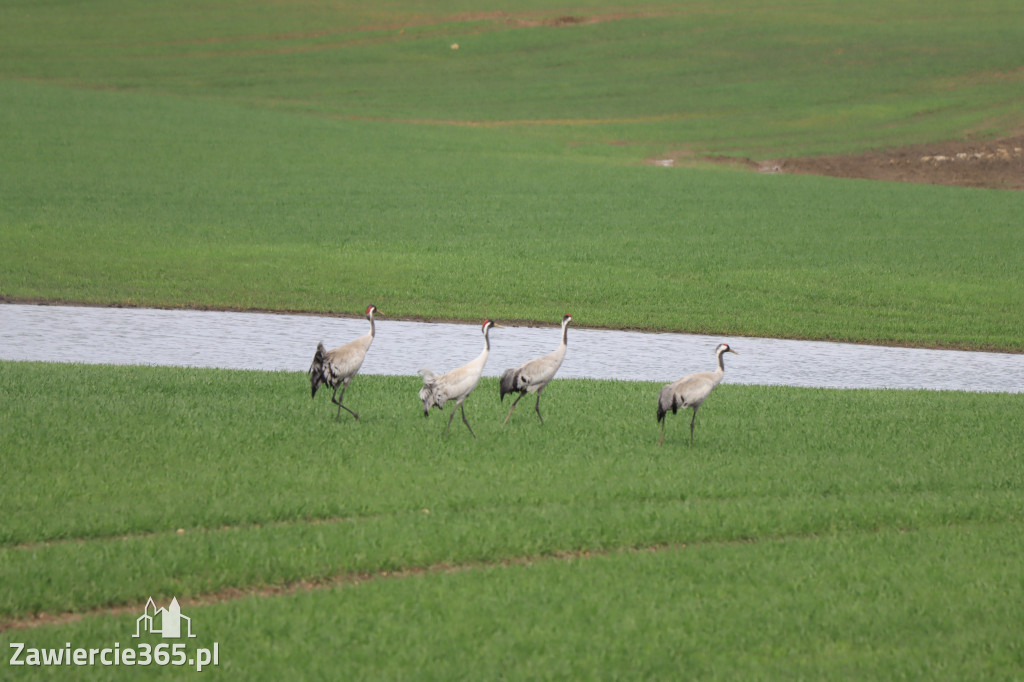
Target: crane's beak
[498, 326]
[733, 352]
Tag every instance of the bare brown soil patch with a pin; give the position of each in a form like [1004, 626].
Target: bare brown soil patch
[995, 164]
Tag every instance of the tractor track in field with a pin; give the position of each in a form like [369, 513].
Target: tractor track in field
[340, 580]
[356, 578]
[389, 29]
[351, 579]
[309, 521]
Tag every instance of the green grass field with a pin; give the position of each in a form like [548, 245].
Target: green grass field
[820, 508]
[853, 515]
[319, 156]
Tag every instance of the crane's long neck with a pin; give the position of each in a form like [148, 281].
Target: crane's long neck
[721, 362]
[372, 329]
[481, 360]
[565, 333]
[487, 342]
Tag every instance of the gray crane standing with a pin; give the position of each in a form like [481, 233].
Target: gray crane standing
[457, 384]
[691, 391]
[336, 367]
[532, 376]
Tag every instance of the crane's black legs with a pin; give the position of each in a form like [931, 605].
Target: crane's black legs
[340, 406]
[665, 419]
[338, 401]
[536, 407]
[462, 409]
[512, 408]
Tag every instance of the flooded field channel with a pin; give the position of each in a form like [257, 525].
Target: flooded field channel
[267, 341]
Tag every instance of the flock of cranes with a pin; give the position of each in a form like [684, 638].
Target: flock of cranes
[336, 367]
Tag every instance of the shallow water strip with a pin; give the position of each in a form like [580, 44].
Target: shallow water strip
[268, 341]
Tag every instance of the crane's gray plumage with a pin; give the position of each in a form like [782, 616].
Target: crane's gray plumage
[532, 376]
[336, 367]
[691, 391]
[455, 385]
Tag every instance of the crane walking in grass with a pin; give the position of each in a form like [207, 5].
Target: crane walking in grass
[457, 384]
[336, 367]
[532, 376]
[691, 391]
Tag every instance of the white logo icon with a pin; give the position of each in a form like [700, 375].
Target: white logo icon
[166, 622]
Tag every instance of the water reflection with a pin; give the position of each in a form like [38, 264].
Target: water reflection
[286, 342]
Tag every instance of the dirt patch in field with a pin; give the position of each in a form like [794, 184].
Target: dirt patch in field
[996, 164]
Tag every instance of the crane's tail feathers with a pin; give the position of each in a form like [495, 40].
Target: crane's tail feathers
[429, 394]
[316, 369]
[667, 401]
[509, 383]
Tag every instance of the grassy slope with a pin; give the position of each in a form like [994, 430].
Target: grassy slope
[124, 451]
[793, 502]
[288, 161]
[734, 76]
[920, 605]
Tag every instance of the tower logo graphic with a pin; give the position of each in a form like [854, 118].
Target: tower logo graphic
[166, 622]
